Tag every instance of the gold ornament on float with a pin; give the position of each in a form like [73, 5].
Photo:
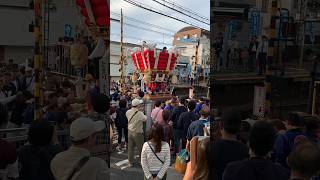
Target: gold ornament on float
[78, 55]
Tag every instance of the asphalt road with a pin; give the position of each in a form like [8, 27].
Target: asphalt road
[121, 171]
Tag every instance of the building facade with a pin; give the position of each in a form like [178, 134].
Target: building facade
[16, 42]
[186, 41]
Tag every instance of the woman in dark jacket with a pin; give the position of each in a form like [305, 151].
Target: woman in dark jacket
[35, 157]
[121, 123]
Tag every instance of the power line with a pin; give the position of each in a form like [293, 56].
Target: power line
[143, 6]
[142, 28]
[140, 39]
[186, 9]
[145, 23]
[179, 11]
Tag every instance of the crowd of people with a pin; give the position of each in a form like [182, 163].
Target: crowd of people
[75, 126]
[235, 148]
[222, 146]
[265, 149]
[174, 123]
[250, 58]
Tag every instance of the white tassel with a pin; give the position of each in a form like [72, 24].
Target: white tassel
[157, 78]
[99, 50]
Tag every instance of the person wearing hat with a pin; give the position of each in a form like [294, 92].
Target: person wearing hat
[136, 118]
[76, 162]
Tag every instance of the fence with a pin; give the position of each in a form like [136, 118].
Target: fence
[59, 61]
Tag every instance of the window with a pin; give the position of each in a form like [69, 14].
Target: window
[178, 38]
[195, 35]
[185, 37]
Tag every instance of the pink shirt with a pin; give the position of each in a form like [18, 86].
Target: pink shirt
[157, 114]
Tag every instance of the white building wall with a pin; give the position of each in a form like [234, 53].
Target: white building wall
[189, 50]
[115, 57]
[18, 54]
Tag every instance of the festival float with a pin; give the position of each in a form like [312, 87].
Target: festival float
[154, 69]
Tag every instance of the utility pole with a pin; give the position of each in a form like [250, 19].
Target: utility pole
[38, 60]
[122, 81]
[193, 71]
[303, 14]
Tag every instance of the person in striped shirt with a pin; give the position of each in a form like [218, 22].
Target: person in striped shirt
[155, 155]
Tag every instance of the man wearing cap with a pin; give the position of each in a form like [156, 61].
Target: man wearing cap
[136, 118]
[76, 162]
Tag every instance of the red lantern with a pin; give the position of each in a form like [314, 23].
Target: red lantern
[100, 11]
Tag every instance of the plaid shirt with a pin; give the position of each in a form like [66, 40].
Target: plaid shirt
[64, 137]
[103, 136]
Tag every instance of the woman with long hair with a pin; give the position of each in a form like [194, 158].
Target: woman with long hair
[201, 167]
[155, 155]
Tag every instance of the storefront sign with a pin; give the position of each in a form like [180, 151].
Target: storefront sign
[67, 31]
[255, 22]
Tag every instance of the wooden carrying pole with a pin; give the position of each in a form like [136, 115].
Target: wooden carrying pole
[122, 81]
[38, 60]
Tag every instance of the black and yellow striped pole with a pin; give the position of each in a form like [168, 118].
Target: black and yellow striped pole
[272, 34]
[38, 60]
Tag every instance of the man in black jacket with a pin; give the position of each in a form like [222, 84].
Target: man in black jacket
[121, 123]
[177, 111]
[258, 166]
[185, 119]
[228, 148]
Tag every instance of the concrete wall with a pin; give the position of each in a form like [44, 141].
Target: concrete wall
[18, 54]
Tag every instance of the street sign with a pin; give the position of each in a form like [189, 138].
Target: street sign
[255, 22]
[67, 30]
[234, 27]
[311, 31]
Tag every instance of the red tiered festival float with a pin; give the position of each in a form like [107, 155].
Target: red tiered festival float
[95, 10]
[155, 67]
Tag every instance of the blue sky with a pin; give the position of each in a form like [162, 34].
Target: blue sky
[162, 37]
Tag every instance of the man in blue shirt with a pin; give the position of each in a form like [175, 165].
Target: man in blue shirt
[285, 142]
[196, 127]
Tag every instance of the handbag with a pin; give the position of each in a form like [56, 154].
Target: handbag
[181, 161]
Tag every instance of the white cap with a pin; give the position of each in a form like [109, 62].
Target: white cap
[136, 102]
[82, 128]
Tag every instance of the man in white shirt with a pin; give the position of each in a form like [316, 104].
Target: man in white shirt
[262, 55]
[29, 80]
[76, 162]
[136, 118]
